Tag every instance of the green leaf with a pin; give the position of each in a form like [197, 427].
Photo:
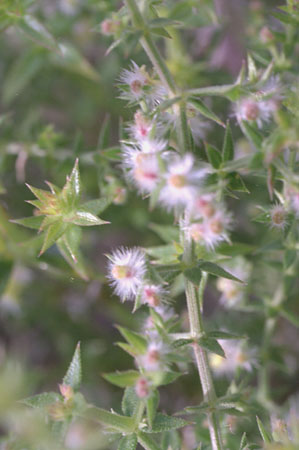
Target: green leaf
[74, 373]
[122, 379]
[168, 233]
[52, 234]
[86, 219]
[252, 134]
[236, 183]
[41, 194]
[36, 31]
[228, 145]
[72, 188]
[5, 272]
[41, 401]
[289, 258]
[130, 401]
[152, 404]
[103, 140]
[109, 419]
[165, 423]
[33, 222]
[223, 335]
[96, 206]
[252, 70]
[204, 110]
[216, 270]
[230, 91]
[147, 442]
[69, 254]
[71, 239]
[163, 254]
[128, 442]
[160, 32]
[181, 343]
[214, 156]
[265, 435]
[290, 316]
[211, 345]
[135, 339]
[171, 440]
[194, 274]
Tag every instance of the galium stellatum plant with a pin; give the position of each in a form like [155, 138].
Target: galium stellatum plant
[165, 160]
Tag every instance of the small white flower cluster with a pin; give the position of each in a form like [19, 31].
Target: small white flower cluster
[260, 107]
[127, 275]
[236, 357]
[233, 292]
[208, 221]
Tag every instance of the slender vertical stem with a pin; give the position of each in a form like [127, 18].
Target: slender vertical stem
[193, 303]
[196, 329]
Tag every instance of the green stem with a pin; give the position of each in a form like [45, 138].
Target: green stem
[201, 357]
[138, 414]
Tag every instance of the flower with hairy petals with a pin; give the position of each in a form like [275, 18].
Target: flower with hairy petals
[251, 110]
[154, 357]
[278, 216]
[142, 127]
[232, 291]
[143, 168]
[127, 268]
[136, 79]
[153, 295]
[182, 181]
[236, 356]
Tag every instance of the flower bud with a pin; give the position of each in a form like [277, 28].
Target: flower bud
[142, 388]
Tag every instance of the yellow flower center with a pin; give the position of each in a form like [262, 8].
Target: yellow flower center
[177, 181]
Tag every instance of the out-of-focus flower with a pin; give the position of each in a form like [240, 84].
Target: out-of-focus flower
[182, 181]
[278, 216]
[154, 357]
[133, 82]
[142, 387]
[144, 169]
[251, 110]
[236, 356]
[127, 268]
[232, 291]
[292, 197]
[153, 295]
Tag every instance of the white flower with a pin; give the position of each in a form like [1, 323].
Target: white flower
[153, 295]
[136, 79]
[154, 357]
[181, 181]
[144, 168]
[251, 110]
[212, 228]
[142, 126]
[127, 268]
[292, 196]
[236, 356]
[278, 216]
[232, 291]
[153, 145]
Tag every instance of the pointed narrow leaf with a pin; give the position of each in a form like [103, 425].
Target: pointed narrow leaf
[36, 31]
[130, 401]
[223, 335]
[110, 419]
[228, 145]
[41, 401]
[265, 435]
[86, 219]
[205, 111]
[252, 134]
[33, 222]
[165, 423]
[122, 379]
[72, 188]
[74, 373]
[152, 404]
[135, 339]
[103, 140]
[211, 345]
[78, 265]
[193, 274]
[96, 206]
[147, 442]
[252, 70]
[71, 239]
[128, 442]
[41, 194]
[216, 270]
[214, 156]
[51, 235]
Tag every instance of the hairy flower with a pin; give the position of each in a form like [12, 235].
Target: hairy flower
[135, 79]
[278, 216]
[153, 295]
[251, 110]
[182, 181]
[143, 168]
[127, 268]
[236, 356]
[154, 357]
[232, 291]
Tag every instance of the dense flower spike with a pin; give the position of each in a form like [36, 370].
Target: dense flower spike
[127, 268]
